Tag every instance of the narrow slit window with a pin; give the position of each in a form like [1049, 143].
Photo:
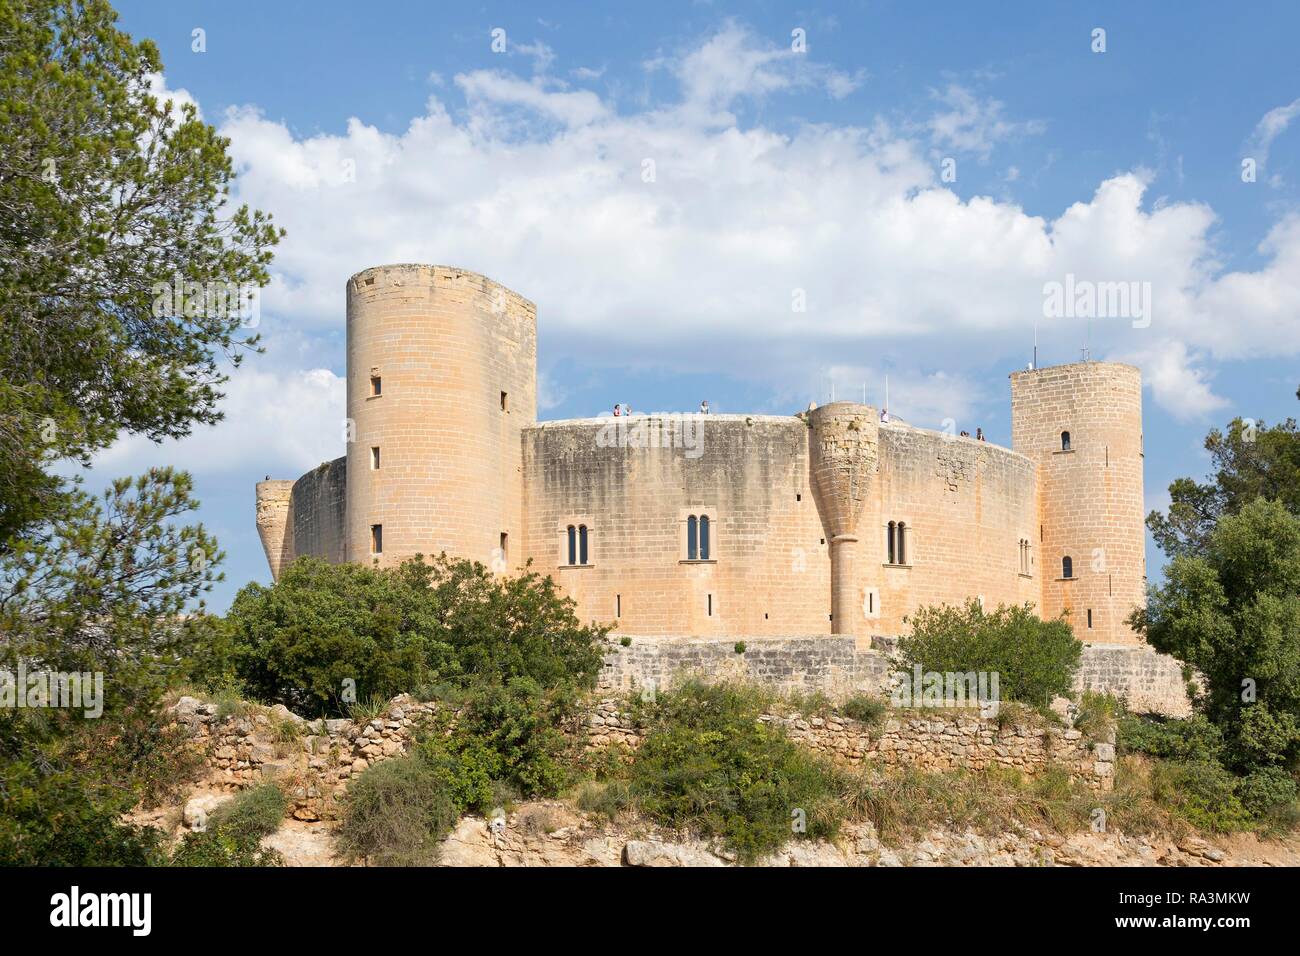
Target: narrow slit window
[374, 458]
[704, 539]
[902, 543]
[573, 545]
[505, 402]
[376, 539]
[618, 605]
[710, 605]
[692, 538]
[889, 543]
[1089, 618]
[505, 546]
[582, 544]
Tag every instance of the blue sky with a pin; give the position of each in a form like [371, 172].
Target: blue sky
[392, 132]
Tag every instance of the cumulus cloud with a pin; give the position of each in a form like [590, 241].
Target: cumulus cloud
[675, 236]
[285, 421]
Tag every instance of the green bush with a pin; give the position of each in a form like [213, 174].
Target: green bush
[523, 724]
[1035, 660]
[1194, 738]
[56, 820]
[219, 848]
[396, 814]
[1202, 792]
[397, 630]
[1267, 790]
[707, 765]
[867, 710]
[252, 814]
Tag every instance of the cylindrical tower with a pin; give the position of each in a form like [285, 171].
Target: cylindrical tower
[441, 381]
[1082, 425]
[843, 460]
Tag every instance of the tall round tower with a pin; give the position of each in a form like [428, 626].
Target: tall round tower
[441, 379]
[1082, 425]
[844, 442]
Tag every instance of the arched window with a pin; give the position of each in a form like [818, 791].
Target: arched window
[573, 545]
[902, 543]
[704, 537]
[889, 543]
[1065, 441]
[692, 538]
[1067, 567]
[582, 544]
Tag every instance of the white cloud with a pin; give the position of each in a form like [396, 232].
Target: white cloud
[972, 124]
[1269, 128]
[285, 421]
[540, 185]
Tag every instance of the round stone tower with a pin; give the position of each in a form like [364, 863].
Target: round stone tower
[1082, 425]
[441, 379]
[844, 442]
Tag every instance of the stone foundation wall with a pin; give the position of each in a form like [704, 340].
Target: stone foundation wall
[1150, 682]
[829, 663]
[931, 740]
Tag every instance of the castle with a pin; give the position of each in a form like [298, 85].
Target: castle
[829, 522]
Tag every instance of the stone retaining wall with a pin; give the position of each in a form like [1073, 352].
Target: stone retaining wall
[314, 760]
[1148, 681]
[932, 739]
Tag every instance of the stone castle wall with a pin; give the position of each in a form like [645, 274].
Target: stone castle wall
[318, 512]
[1148, 682]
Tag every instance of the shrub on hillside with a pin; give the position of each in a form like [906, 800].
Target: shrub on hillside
[1202, 792]
[868, 710]
[513, 734]
[396, 814]
[1035, 660]
[253, 813]
[234, 833]
[707, 765]
[1193, 738]
[389, 631]
[1267, 791]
